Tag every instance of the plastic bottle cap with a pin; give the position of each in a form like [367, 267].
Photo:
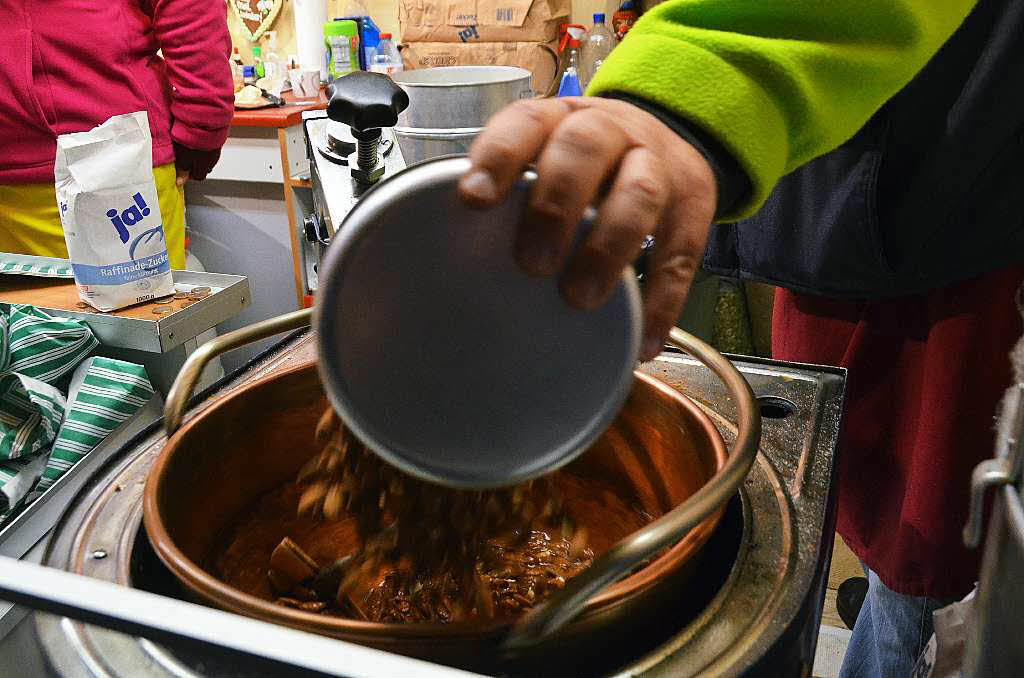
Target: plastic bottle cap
[256, 51]
[385, 36]
[599, 18]
[248, 71]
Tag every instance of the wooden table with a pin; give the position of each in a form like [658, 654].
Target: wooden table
[268, 145]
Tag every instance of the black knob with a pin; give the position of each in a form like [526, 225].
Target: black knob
[309, 228]
[365, 101]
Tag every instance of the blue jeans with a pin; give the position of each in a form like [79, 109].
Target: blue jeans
[891, 631]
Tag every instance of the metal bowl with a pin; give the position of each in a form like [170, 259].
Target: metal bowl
[659, 451]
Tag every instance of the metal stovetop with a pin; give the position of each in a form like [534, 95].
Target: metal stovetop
[762, 611]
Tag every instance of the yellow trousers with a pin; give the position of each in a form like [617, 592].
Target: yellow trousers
[30, 224]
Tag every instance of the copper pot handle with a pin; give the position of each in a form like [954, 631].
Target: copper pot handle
[185, 383]
[669, 528]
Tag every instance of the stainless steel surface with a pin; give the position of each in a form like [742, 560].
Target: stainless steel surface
[459, 96]
[157, 617]
[449, 106]
[1004, 468]
[548, 617]
[182, 389]
[776, 576]
[11, 615]
[995, 645]
[423, 144]
[332, 184]
[29, 526]
[162, 333]
[99, 593]
[418, 293]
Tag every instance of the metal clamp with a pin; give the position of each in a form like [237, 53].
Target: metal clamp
[669, 528]
[185, 383]
[1004, 469]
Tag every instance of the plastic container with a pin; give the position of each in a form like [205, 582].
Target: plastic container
[386, 58]
[257, 60]
[273, 64]
[369, 36]
[248, 75]
[341, 39]
[597, 46]
[236, 70]
[624, 18]
[568, 77]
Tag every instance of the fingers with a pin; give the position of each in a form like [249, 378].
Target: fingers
[634, 206]
[511, 141]
[181, 178]
[582, 152]
[678, 248]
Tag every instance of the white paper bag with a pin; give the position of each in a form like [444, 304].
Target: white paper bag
[111, 213]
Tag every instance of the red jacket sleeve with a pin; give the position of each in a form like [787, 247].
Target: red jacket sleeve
[193, 36]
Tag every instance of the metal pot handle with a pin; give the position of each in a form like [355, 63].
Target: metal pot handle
[185, 383]
[669, 528]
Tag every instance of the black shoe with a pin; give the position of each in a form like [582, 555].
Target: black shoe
[850, 598]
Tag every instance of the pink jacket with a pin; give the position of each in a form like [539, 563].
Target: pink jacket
[68, 65]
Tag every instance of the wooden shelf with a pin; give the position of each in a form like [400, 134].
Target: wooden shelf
[285, 116]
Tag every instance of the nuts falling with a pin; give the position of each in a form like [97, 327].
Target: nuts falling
[448, 551]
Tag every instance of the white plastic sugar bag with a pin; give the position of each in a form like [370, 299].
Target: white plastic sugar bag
[110, 213]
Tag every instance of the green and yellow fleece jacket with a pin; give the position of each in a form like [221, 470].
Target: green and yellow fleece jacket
[775, 83]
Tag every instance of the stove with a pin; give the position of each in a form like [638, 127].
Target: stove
[753, 608]
[329, 143]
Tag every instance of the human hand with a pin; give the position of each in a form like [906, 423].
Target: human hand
[193, 164]
[656, 183]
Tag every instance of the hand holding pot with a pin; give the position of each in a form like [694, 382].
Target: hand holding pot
[656, 184]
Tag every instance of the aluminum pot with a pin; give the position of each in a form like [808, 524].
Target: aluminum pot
[661, 450]
[449, 106]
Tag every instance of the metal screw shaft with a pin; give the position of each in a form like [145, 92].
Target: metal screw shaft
[366, 153]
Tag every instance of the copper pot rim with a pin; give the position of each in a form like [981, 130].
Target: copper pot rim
[207, 587]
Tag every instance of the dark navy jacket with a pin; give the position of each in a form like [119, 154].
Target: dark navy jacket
[929, 192]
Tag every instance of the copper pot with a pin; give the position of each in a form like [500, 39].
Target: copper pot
[661, 450]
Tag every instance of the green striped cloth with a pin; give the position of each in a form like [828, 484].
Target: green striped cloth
[42, 432]
[104, 393]
[44, 267]
[35, 352]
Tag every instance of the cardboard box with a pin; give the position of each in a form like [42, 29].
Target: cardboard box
[537, 58]
[468, 21]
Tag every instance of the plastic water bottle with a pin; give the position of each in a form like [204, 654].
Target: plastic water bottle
[386, 60]
[569, 79]
[596, 48]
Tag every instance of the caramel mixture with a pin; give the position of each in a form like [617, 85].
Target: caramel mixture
[370, 542]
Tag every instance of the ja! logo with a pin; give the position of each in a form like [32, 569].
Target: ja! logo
[129, 217]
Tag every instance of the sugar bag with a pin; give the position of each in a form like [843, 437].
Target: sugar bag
[111, 214]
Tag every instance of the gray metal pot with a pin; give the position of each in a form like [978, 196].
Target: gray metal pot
[449, 106]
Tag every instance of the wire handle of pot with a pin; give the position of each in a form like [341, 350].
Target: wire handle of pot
[562, 607]
[185, 383]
